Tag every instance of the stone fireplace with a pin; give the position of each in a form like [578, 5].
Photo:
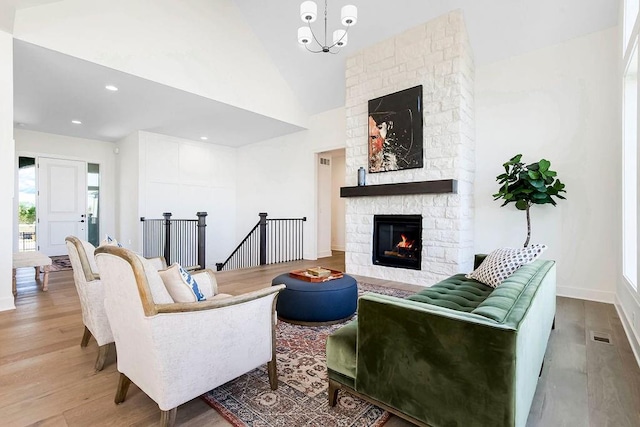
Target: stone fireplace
[436, 55]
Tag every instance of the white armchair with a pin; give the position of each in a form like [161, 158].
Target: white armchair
[175, 352]
[90, 291]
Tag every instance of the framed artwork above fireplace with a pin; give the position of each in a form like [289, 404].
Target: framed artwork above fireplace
[395, 131]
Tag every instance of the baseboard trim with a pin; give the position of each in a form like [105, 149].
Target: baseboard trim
[586, 294]
[324, 254]
[628, 330]
[337, 248]
[7, 304]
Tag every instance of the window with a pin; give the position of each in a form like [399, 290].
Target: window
[630, 16]
[93, 199]
[26, 204]
[630, 144]
[630, 171]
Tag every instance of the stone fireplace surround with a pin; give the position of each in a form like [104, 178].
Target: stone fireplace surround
[437, 56]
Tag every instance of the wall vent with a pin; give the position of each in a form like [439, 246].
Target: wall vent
[601, 337]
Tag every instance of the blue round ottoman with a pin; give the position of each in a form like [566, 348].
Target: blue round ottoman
[311, 303]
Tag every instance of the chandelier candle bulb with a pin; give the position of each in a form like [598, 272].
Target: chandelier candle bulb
[304, 35]
[308, 11]
[349, 15]
[340, 38]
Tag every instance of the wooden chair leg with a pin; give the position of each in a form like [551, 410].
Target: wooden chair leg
[272, 369]
[85, 337]
[102, 356]
[168, 418]
[333, 392]
[123, 386]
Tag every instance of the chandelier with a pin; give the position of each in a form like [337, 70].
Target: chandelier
[309, 13]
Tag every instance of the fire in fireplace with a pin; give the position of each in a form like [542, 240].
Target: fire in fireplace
[397, 241]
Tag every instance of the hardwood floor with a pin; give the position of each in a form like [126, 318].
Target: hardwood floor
[47, 379]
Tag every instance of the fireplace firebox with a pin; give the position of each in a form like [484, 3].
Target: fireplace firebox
[397, 241]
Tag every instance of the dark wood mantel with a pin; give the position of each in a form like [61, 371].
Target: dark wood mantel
[401, 189]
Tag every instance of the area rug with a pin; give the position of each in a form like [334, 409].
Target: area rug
[301, 398]
[60, 263]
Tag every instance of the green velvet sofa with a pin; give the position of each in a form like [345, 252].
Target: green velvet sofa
[456, 354]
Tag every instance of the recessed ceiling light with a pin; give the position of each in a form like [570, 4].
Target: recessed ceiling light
[112, 88]
[204, 138]
[76, 122]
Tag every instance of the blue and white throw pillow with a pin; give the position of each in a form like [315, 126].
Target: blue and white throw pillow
[110, 241]
[189, 280]
[180, 284]
[502, 263]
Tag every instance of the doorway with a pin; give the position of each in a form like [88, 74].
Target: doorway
[62, 203]
[331, 208]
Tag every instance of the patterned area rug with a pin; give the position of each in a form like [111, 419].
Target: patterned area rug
[60, 263]
[301, 398]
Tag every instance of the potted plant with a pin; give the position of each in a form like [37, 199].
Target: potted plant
[528, 185]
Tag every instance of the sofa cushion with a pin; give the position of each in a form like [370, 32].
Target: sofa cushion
[503, 299]
[457, 293]
[502, 263]
[341, 350]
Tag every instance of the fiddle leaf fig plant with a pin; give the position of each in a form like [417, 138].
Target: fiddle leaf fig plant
[528, 185]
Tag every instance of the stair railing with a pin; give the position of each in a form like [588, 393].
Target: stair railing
[177, 240]
[270, 241]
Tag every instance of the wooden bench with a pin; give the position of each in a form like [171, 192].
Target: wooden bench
[34, 259]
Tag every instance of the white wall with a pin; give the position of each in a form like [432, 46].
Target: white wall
[278, 176]
[30, 143]
[184, 177]
[128, 229]
[200, 46]
[337, 203]
[7, 165]
[560, 103]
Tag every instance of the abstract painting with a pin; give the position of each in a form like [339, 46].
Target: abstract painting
[395, 131]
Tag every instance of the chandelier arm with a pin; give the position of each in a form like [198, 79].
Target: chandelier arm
[312, 51]
[314, 37]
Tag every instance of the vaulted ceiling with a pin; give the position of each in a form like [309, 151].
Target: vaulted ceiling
[498, 29]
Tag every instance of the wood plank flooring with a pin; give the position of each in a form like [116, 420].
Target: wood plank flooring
[47, 379]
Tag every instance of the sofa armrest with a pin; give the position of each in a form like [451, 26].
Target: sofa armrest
[435, 364]
[477, 260]
[184, 307]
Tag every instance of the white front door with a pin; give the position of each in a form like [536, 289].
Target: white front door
[61, 210]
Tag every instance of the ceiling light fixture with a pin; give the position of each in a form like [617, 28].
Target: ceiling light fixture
[112, 88]
[76, 122]
[309, 13]
[204, 138]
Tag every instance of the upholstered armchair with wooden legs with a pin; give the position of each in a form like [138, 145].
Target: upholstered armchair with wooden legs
[91, 294]
[175, 352]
